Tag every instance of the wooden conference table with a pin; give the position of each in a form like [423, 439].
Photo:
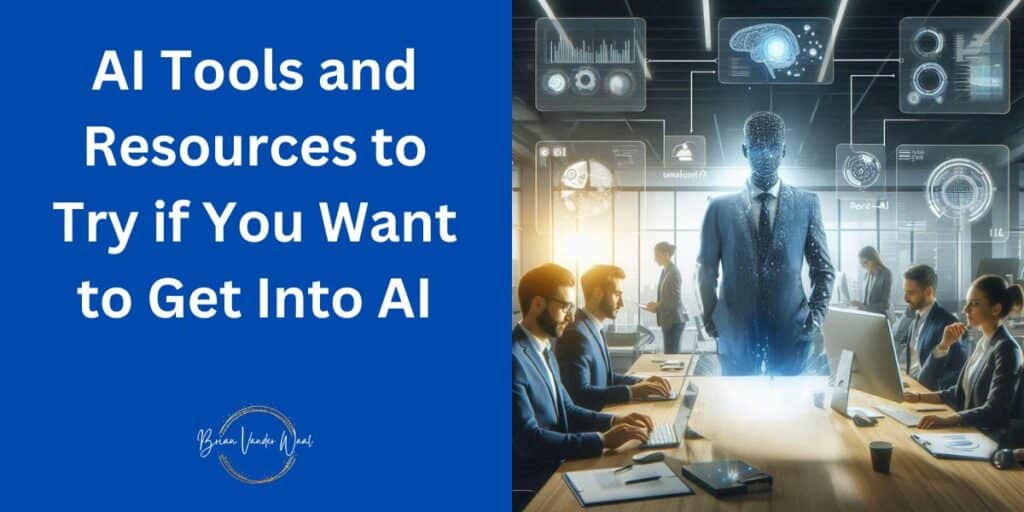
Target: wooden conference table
[819, 460]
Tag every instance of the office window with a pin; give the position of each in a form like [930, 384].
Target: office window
[517, 234]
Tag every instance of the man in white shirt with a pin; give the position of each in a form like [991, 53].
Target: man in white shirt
[935, 364]
[547, 427]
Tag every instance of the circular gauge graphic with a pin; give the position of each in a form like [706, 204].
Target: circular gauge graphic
[555, 82]
[960, 189]
[928, 43]
[585, 80]
[587, 187]
[862, 169]
[619, 83]
[929, 80]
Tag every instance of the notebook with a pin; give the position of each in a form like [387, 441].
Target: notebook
[957, 446]
[728, 477]
[604, 486]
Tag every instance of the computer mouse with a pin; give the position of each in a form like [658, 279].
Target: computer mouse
[862, 420]
[1003, 459]
[649, 457]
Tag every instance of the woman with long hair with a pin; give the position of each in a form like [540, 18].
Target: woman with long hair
[985, 394]
[878, 286]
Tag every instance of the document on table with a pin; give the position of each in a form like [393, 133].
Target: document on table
[602, 486]
[957, 446]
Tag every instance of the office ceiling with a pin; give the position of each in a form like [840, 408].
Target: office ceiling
[817, 116]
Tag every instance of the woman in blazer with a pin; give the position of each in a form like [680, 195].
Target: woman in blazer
[985, 394]
[878, 287]
[669, 306]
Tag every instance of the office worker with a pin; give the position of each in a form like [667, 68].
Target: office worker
[928, 321]
[878, 286]
[547, 426]
[582, 351]
[984, 396]
[760, 236]
[669, 308]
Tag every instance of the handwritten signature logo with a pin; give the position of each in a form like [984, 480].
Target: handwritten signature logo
[255, 445]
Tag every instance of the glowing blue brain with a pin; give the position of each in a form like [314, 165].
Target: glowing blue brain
[770, 44]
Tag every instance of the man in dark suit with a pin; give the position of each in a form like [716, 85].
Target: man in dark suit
[582, 351]
[547, 426]
[925, 358]
[760, 236]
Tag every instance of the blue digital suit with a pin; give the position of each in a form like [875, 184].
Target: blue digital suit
[763, 318]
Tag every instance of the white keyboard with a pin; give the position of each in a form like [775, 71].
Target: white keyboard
[901, 415]
[663, 436]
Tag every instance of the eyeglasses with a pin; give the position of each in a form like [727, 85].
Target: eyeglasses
[567, 307]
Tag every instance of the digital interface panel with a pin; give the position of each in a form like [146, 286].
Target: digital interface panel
[591, 64]
[774, 51]
[685, 152]
[583, 176]
[953, 193]
[954, 65]
[862, 178]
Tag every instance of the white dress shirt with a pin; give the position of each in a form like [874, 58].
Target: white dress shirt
[755, 204]
[915, 360]
[974, 363]
[540, 345]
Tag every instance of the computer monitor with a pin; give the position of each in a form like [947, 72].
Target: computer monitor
[1005, 267]
[876, 369]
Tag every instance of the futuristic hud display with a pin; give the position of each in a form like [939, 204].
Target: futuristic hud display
[774, 50]
[965, 188]
[585, 174]
[955, 65]
[591, 64]
[860, 168]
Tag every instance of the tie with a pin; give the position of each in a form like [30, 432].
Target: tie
[607, 358]
[547, 361]
[912, 340]
[867, 288]
[764, 227]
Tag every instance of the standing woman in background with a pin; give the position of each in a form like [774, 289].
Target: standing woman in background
[878, 287]
[669, 306]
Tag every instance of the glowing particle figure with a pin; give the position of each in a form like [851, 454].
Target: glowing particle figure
[770, 44]
[807, 28]
[813, 52]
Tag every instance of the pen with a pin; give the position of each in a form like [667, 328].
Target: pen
[930, 409]
[641, 480]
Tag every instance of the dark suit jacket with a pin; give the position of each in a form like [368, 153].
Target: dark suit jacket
[992, 392]
[938, 373]
[586, 367]
[670, 302]
[728, 239]
[878, 295]
[545, 431]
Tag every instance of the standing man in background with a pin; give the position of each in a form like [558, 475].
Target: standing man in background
[760, 236]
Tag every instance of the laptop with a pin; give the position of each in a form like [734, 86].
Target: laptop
[668, 435]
